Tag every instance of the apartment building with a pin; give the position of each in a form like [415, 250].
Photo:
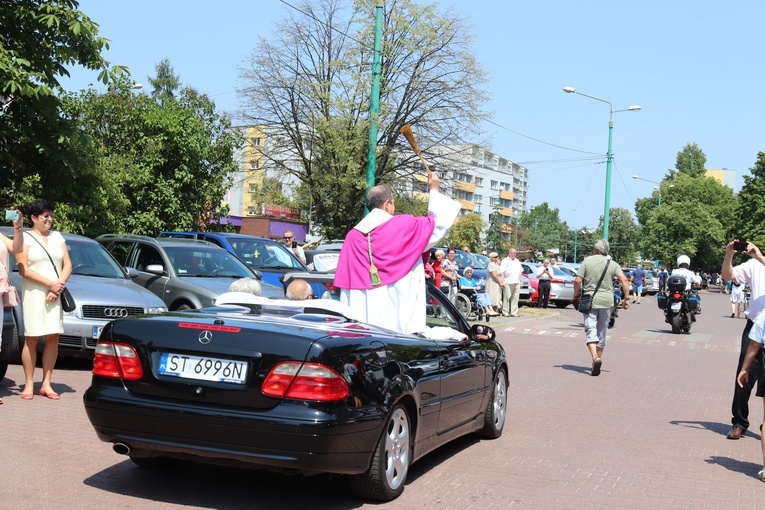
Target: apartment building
[480, 180]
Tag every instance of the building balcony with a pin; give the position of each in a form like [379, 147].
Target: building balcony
[466, 206]
[506, 211]
[507, 228]
[464, 186]
[505, 195]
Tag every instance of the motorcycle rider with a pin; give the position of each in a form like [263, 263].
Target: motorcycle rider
[692, 280]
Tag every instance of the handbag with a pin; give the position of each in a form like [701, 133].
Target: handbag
[585, 300]
[67, 301]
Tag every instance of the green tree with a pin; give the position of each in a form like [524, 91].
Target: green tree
[495, 237]
[750, 210]
[158, 167]
[310, 84]
[696, 217]
[543, 229]
[691, 160]
[166, 83]
[41, 153]
[622, 235]
[585, 242]
[466, 231]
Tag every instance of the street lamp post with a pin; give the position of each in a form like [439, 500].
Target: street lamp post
[609, 154]
[658, 185]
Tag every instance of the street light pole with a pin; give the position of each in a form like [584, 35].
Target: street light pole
[609, 154]
[657, 188]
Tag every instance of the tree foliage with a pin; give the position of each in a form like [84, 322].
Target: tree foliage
[166, 83]
[40, 151]
[495, 238]
[155, 166]
[695, 218]
[542, 229]
[310, 85]
[750, 210]
[691, 161]
[622, 235]
[466, 231]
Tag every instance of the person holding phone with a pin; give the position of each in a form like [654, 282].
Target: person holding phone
[544, 275]
[292, 244]
[751, 272]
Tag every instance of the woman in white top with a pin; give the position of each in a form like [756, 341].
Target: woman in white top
[45, 266]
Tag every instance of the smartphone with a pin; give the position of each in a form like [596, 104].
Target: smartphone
[294, 244]
[11, 215]
[740, 245]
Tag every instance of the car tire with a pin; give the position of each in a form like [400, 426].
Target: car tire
[17, 344]
[561, 304]
[384, 481]
[496, 409]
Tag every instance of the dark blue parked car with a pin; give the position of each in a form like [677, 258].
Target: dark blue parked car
[270, 258]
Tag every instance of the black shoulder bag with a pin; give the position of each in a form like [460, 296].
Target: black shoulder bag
[585, 300]
[67, 301]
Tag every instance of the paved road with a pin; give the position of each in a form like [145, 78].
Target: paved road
[649, 432]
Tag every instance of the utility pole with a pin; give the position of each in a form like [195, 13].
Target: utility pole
[374, 106]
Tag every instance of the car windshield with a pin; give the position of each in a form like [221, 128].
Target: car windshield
[91, 259]
[473, 261]
[262, 254]
[204, 261]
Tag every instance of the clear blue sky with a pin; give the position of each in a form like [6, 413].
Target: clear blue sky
[695, 68]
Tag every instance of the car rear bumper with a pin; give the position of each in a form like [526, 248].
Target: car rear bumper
[290, 437]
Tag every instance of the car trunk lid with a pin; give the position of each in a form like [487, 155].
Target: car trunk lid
[212, 359]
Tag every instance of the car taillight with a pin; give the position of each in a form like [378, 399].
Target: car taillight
[305, 381]
[117, 361]
[558, 281]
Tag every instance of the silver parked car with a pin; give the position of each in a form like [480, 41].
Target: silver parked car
[102, 291]
[186, 273]
[561, 286]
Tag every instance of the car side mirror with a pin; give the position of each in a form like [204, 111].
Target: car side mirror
[482, 333]
[131, 272]
[155, 269]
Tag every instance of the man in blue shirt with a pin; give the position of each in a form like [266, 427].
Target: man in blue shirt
[638, 280]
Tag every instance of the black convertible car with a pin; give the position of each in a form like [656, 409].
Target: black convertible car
[295, 387]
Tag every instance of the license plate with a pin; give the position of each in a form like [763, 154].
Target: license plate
[676, 306]
[97, 331]
[203, 368]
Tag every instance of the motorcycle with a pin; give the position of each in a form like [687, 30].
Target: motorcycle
[679, 305]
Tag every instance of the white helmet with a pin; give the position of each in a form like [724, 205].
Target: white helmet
[683, 259]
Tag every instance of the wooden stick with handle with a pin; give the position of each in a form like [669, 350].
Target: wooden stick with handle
[406, 130]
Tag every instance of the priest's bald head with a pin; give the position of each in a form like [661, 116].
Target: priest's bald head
[380, 197]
